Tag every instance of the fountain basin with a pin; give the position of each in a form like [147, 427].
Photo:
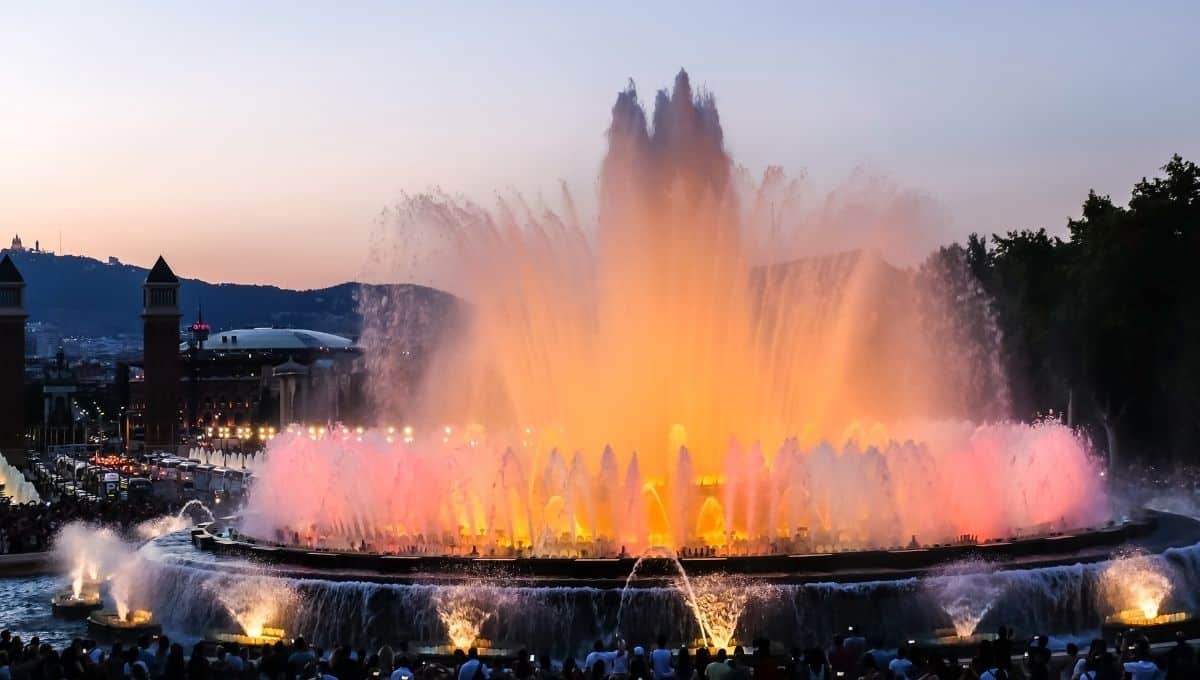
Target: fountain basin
[1093, 545]
[1161, 628]
[266, 638]
[110, 627]
[65, 605]
[529, 604]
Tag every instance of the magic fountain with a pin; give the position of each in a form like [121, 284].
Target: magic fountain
[694, 415]
[693, 371]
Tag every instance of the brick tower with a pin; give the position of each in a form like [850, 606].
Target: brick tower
[160, 356]
[12, 357]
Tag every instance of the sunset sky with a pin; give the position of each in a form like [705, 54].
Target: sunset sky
[259, 141]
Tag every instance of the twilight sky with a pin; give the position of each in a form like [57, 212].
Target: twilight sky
[258, 141]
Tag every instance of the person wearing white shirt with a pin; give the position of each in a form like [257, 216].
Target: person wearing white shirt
[1142, 667]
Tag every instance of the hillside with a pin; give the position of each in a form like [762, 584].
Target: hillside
[85, 297]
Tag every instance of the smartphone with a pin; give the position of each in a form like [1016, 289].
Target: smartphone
[532, 658]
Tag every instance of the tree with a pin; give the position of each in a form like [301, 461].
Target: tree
[1109, 320]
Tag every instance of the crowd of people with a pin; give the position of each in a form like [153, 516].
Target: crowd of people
[31, 527]
[161, 658]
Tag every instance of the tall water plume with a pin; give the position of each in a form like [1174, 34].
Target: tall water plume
[89, 554]
[679, 306]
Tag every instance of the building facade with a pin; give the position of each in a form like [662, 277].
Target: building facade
[160, 357]
[252, 381]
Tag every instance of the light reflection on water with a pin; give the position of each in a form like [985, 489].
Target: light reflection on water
[25, 610]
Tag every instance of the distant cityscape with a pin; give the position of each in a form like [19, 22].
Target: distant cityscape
[196, 364]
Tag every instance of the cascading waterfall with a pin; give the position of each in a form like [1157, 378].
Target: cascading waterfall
[192, 595]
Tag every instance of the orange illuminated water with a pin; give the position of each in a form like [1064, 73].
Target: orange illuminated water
[684, 370]
[1136, 586]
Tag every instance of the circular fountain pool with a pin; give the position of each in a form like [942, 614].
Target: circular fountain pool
[203, 583]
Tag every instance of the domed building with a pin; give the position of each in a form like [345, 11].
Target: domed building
[247, 381]
[267, 377]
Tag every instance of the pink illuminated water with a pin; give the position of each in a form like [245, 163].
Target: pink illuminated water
[438, 497]
[695, 368]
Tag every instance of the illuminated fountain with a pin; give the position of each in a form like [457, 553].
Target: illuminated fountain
[966, 591]
[1136, 586]
[464, 496]
[256, 605]
[90, 555]
[14, 485]
[128, 621]
[186, 517]
[718, 601]
[698, 369]
[464, 609]
[790, 431]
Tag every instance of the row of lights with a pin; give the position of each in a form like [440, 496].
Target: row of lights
[242, 433]
[407, 433]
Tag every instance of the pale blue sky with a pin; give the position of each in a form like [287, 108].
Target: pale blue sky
[256, 141]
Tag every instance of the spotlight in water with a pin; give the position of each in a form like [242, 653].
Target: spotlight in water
[1135, 586]
[463, 610]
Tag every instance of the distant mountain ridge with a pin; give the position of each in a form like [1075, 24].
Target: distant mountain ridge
[83, 296]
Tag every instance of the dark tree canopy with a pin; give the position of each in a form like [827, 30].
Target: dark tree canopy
[1105, 326]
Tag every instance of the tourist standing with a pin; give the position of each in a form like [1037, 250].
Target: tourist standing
[198, 667]
[815, 666]
[620, 664]
[702, 660]
[841, 658]
[161, 652]
[300, 657]
[718, 669]
[1142, 667]
[638, 669]
[175, 668]
[660, 660]
[1067, 666]
[900, 666]
[683, 664]
[741, 669]
[115, 668]
[400, 670]
[273, 663]
[385, 661]
[473, 668]
[763, 665]
[1181, 660]
[600, 656]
